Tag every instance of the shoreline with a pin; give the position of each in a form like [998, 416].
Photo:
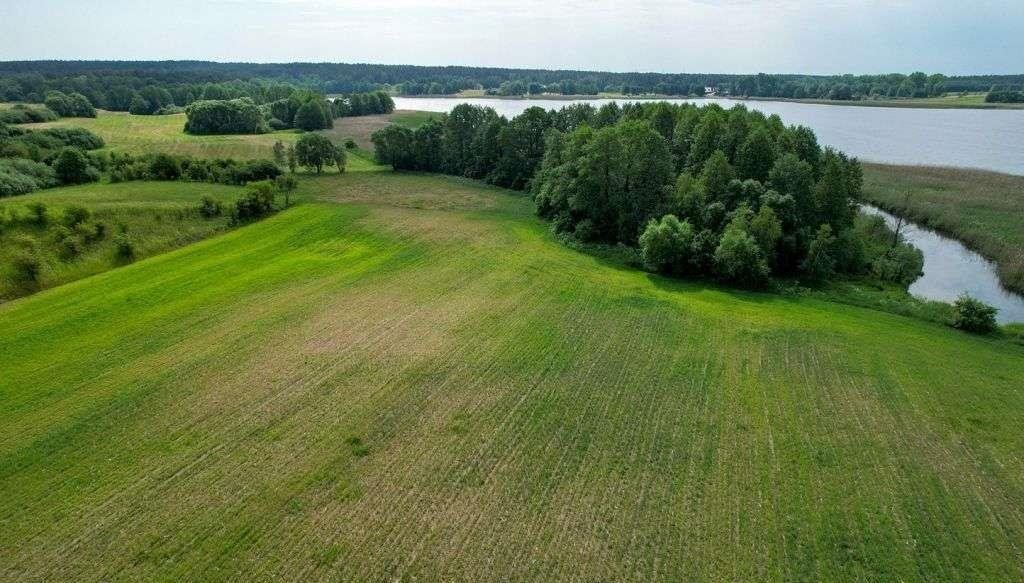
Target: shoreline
[893, 103]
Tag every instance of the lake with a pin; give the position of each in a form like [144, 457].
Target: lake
[972, 138]
[950, 269]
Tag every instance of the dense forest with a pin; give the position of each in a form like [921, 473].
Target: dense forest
[731, 194]
[155, 85]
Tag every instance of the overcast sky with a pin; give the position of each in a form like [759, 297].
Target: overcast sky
[776, 36]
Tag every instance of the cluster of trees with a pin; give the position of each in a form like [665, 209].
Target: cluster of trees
[305, 110]
[1003, 94]
[69, 105]
[357, 104]
[21, 113]
[233, 116]
[700, 190]
[124, 167]
[31, 160]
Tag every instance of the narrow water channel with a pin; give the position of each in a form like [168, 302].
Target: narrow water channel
[950, 269]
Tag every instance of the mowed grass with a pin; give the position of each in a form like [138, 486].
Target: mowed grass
[410, 379]
[360, 129]
[156, 216]
[983, 209]
[138, 134]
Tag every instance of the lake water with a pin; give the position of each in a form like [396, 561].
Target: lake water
[950, 269]
[972, 138]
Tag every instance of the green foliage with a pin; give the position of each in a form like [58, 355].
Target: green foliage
[73, 105]
[124, 248]
[21, 176]
[234, 116]
[973, 315]
[210, 207]
[21, 113]
[821, 256]
[314, 151]
[666, 245]
[738, 259]
[314, 114]
[257, 202]
[73, 167]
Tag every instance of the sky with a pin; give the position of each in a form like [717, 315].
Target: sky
[675, 36]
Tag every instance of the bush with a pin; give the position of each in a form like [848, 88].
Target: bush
[37, 214]
[350, 144]
[67, 244]
[74, 137]
[738, 259]
[665, 245]
[75, 215]
[902, 264]
[257, 202]
[973, 315]
[820, 263]
[124, 249]
[20, 176]
[24, 114]
[72, 167]
[164, 167]
[26, 265]
[276, 124]
[210, 207]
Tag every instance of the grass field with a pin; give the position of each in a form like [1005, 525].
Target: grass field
[983, 209]
[165, 133]
[361, 128]
[157, 216]
[410, 379]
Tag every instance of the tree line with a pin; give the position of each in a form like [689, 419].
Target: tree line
[115, 84]
[731, 194]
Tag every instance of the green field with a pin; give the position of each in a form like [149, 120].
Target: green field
[165, 133]
[409, 378]
[983, 209]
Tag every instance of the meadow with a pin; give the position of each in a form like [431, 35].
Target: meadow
[124, 132]
[983, 209]
[408, 377]
[155, 217]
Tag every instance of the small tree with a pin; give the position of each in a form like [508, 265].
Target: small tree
[279, 154]
[973, 315]
[821, 262]
[286, 184]
[293, 159]
[738, 258]
[257, 202]
[72, 167]
[665, 245]
[340, 159]
[314, 151]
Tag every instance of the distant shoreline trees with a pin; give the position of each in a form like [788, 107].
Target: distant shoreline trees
[159, 87]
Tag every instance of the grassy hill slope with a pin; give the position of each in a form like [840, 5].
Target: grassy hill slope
[420, 382]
